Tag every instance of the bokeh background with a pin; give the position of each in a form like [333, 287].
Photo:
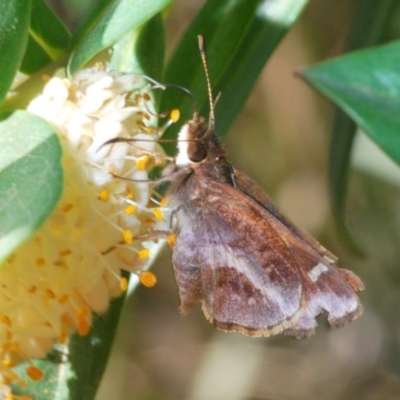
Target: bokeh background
[281, 138]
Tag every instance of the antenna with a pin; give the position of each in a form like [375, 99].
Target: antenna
[211, 122]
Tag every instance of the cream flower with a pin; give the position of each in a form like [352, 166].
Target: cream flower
[52, 284]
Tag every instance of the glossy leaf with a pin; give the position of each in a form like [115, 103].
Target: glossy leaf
[14, 24]
[369, 23]
[31, 177]
[366, 84]
[117, 20]
[240, 36]
[48, 38]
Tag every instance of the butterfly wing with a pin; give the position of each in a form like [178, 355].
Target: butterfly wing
[250, 271]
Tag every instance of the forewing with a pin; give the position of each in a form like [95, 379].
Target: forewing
[246, 185]
[227, 257]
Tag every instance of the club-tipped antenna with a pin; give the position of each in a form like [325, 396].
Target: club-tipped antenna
[211, 122]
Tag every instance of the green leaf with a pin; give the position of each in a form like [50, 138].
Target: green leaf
[48, 30]
[35, 58]
[369, 23]
[48, 38]
[366, 85]
[31, 177]
[97, 9]
[240, 36]
[131, 54]
[14, 24]
[118, 20]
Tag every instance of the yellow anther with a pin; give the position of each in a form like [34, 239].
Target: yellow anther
[158, 214]
[128, 192]
[67, 207]
[104, 195]
[83, 325]
[143, 254]
[63, 299]
[50, 294]
[147, 279]
[141, 162]
[164, 202]
[64, 253]
[146, 96]
[128, 236]
[171, 240]
[130, 209]
[40, 262]
[123, 284]
[175, 115]
[34, 373]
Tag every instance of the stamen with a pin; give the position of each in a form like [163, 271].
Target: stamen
[123, 283]
[143, 254]
[147, 279]
[34, 373]
[142, 162]
[128, 236]
[128, 192]
[158, 214]
[130, 209]
[104, 195]
[164, 202]
[40, 262]
[171, 240]
[83, 325]
[175, 115]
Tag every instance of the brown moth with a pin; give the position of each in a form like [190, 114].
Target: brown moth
[251, 269]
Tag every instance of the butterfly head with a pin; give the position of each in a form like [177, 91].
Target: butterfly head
[197, 143]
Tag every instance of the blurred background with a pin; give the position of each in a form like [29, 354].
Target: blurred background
[281, 138]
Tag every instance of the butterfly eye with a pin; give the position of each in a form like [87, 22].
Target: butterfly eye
[196, 152]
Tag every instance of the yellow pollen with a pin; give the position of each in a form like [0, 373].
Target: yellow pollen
[32, 289]
[67, 207]
[83, 325]
[141, 123]
[143, 254]
[128, 236]
[150, 130]
[123, 284]
[141, 162]
[164, 202]
[40, 262]
[64, 253]
[171, 240]
[104, 195]
[138, 98]
[158, 214]
[128, 192]
[50, 294]
[5, 320]
[146, 96]
[7, 363]
[130, 209]
[146, 116]
[63, 338]
[175, 115]
[34, 373]
[147, 279]
[63, 299]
